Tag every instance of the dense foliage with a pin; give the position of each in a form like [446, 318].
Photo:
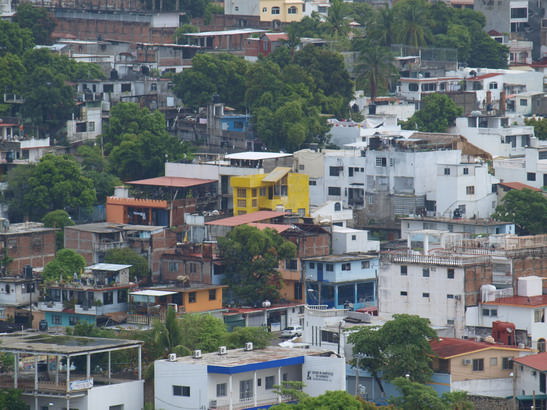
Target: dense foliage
[58, 219]
[251, 258]
[540, 127]
[126, 256]
[66, 264]
[527, 209]
[38, 20]
[436, 114]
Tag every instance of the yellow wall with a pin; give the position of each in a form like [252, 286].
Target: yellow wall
[283, 5]
[202, 303]
[460, 372]
[251, 194]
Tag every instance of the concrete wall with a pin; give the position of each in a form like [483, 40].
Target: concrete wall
[129, 394]
[167, 374]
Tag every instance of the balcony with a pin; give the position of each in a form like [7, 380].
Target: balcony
[106, 246]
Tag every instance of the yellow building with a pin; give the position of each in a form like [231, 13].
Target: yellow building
[279, 188]
[285, 11]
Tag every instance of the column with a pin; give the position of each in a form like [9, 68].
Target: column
[230, 393]
[140, 361]
[109, 364]
[68, 375]
[35, 373]
[336, 296]
[88, 366]
[57, 363]
[16, 369]
[254, 388]
[279, 382]
[356, 296]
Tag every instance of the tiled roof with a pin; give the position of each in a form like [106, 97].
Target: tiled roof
[535, 361]
[175, 182]
[540, 300]
[246, 219]
[448, 347]
[518, 185]
[483, 77]
[276, 227]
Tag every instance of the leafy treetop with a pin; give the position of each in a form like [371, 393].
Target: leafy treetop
[437, 113]
[526, 208]
[64, 266]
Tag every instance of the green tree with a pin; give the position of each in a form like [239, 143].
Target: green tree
[56, 182]
[126, 256]
[36, 19]
[64, 266]
[331, 400]
[487, 52]
[540, 127]
[527, 209]
[58, 219]
[94, 167]
[336, 19]
[416, 396]
[14, 39]
[259, 336]
[437, 113]
[399, 347]
[381, 26]
[376, 67]
[251, 258]
[167, 336]
[179, 36]
[202, 331]
[411, 22]
[11, 399]
[12, 74]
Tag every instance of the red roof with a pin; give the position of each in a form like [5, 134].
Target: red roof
[448, 347]
[494, 33]
[518, 185]
[484, 76]
[175, 182]
[276, 36]
[540, 300]
[247, 218]
[535, 361]
[276, 227]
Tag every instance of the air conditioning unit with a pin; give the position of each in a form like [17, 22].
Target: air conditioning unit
[433, 269]
[222, 350]
[197, 354]
[248, 346]
[466, 362]
[212, 404]
[172, 357]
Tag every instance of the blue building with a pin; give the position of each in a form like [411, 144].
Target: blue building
[342, 281]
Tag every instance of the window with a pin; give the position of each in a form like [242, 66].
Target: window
[253, 192]
[153, 87]
[12, 243]
[523, 102]
[365, 264]
[181, 391]
[541, 345]
[336, 191]
[116, 407]
[447, 171]
[425, 294]
[126, 87]
[264, 10]
[493, 86]
[173, 266]
[37, 242]
[56, 319]
[335, 171]
[312, 265]
[449, 296]
[329, 267]
[262, 191]
[381, 162]
[73, 320]
[221, 389]
[470, 190]
[313, 183]
[493, 361]
[507, 363]
[530, 176]
[270, 382]
[542, 382]
[246, 389]
[275, 10]
[425, 272]
[413, 87]
[193, 267]
[241, 192]
[353, 237]
[490, 312]
[404, 270]
[298, 290]
[301, 167]
[478, 365]
[519, 13]
[242, 203]
[330, 337]
[539, 316]
[192, 297]
[108, 88]
[108, 298]
[122, 295]
[291, 264]
[429, 87]
[212, 294]
[450, 273]
[466, 171]
[346, 266]
[404, 293]
[449, 321]
[292, 10]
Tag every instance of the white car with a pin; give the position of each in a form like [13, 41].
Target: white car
[291, 331]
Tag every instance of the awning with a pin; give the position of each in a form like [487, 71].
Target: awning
[531, 397]
[276, 174]
[151, 292]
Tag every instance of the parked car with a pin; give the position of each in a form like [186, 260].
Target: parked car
[291, 331]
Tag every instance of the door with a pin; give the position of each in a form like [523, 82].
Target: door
[320, 272]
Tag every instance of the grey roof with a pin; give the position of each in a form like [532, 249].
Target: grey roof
[111, 267]
[107, 227]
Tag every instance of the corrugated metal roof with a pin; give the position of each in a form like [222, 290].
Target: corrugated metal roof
[175, 182]
[448, 347]
[111, 267]
[276, 174]
[151, 292]
[247, 218]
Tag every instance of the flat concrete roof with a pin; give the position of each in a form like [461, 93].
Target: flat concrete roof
[251, 155]
[347, 257]
[173, 182]
[45, 343]
[107, 227]
[110, 267]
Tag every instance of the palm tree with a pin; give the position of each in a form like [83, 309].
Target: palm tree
[411, 23]
[382, 27]
[376, 67]
[336, 19]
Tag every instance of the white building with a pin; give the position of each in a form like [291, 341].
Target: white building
[88, 126]
[468, 227]
[243, 378]
[495, 134]
[531, 169]
[50, 372]
[348, 240]
[526, 310]
[530, 375]
[465, 189]
[332, 213]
